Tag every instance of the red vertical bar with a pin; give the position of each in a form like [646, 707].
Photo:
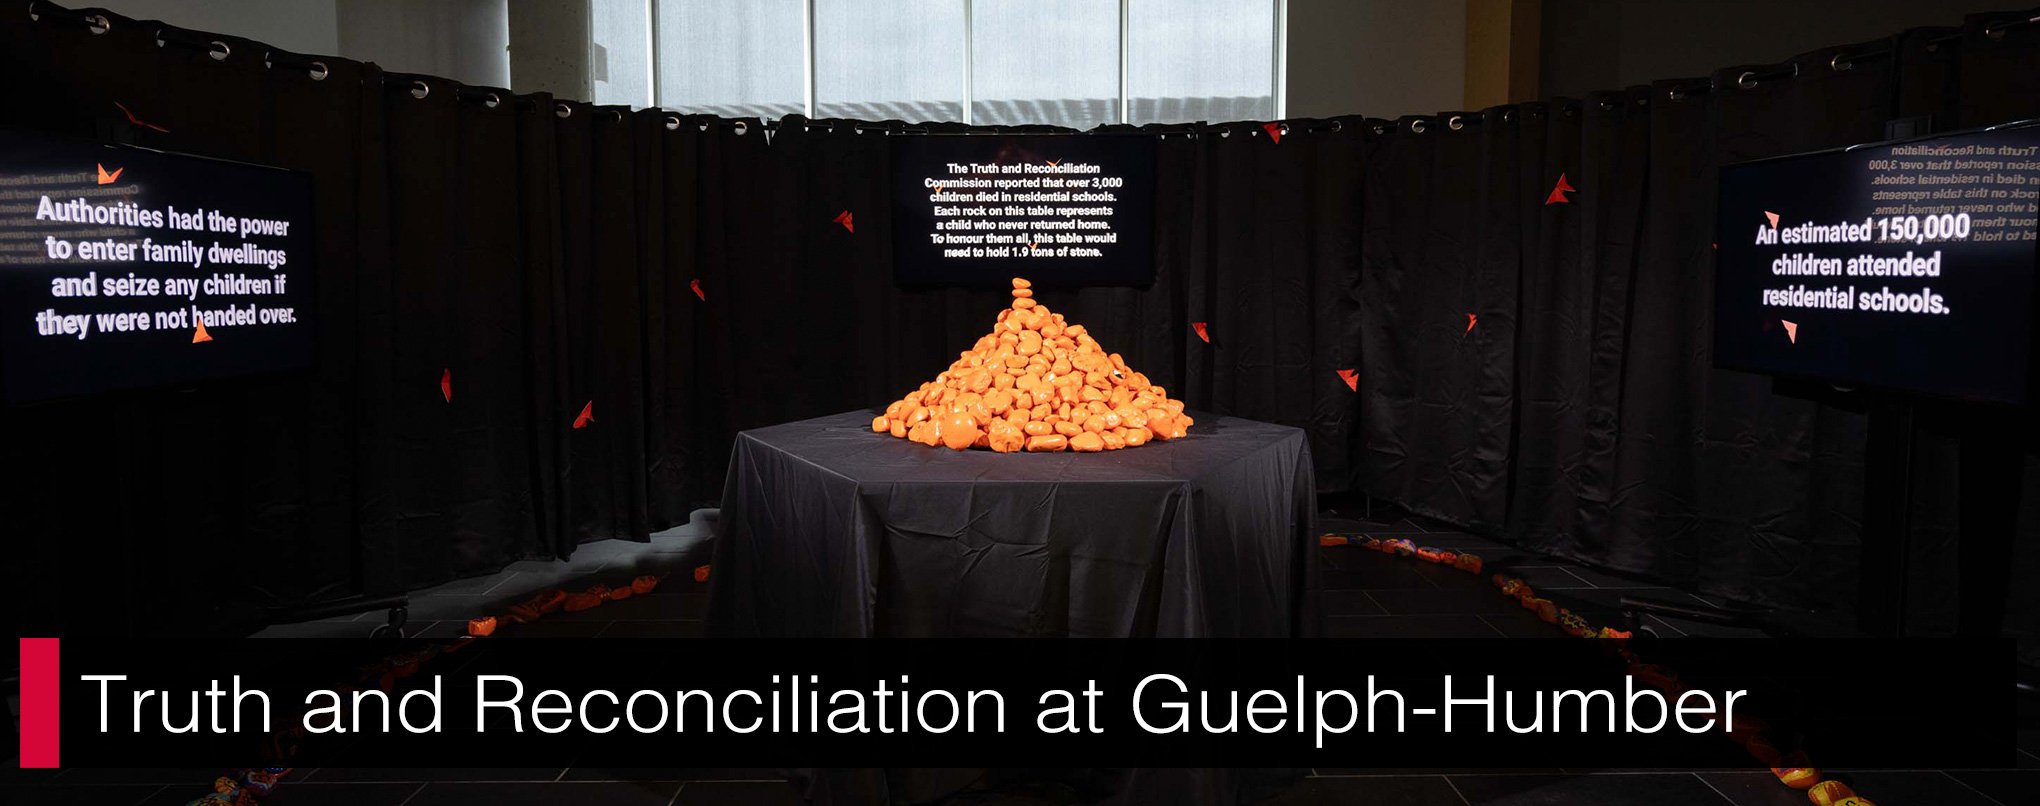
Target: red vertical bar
[38, 703]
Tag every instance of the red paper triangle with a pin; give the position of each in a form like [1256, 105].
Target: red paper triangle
[138, 121]
[1558, 192]
[1773, 217]
[1791, 330]
[1470, 319]
[1201, 333]
[1274, 132]
[200, 335]
[446, 384]
[587, 415]
[696, 285]
[1351, 377]
[844, 219]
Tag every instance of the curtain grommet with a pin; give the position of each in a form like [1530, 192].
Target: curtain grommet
[860, 130]
[1338, 126]
[1455, 123]
[1380, 129]
[98, 24]
[1283, 128]
[563, 111]
[1748, 80]
[672, 123]
[219, 51]
[1839, 64]
[1996, 30]
[704, 125]
[420, 90]
[740, 127]
[1417, 126]
[493, 101]
[1224, 134]
[321, 73]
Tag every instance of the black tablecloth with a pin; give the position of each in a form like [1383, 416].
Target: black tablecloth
[828, 529]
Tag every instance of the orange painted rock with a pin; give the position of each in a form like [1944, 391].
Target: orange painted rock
[1005, 437]
[701, 573]
[581, 601]
[482, 627]
[644, 584]
[960, 431]
[620, 594]
[1113, 441]
[1048, 443]
[880, 424]
[1829, 793]
[1087, 442]
[1038, 428]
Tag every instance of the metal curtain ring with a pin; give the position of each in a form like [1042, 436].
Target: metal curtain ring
[493, 101]
[1996, 30]
[563, 111]
[1675, 94]
[100, 24]
[1454, 123]
[672, 123]
[1380, 129]
[1748, 80]
[420, 89]
[1338, 126]
[704, 125]
[1839, 64]
[740, 127]
[321, 73]
[1417, 125]
[1283, 128]
[219, 51]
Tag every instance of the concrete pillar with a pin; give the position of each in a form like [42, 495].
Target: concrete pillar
[549, 48]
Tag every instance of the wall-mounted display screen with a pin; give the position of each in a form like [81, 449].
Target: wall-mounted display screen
[1905, 266]
[123, 268]
[979, 209]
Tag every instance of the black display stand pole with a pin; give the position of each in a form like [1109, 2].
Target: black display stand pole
[1886, 555]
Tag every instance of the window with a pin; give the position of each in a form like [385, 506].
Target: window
[734, 58]
[1075, 63]
[620, 51]
[884, 59]
[1045, 61]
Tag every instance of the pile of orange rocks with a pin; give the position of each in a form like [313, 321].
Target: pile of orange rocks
[1036, 383]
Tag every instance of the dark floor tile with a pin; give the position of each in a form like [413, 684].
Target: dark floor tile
[1394, 771]
[738, 794]
[414, 774]
[1426, 790]
[2009, 787]
[461, 606]
[674, 628]
[1351, 603]
[1381, 571]
[1668, 789]
[1761, 788]
[1606, 579]
[633, 793]
[129, 795]
[1469, 599]
[307, 794]
[1522, 625]
[189, 776]
[751, 774]
[1554, 577]
[319, 629]
[475, 585]
[1448, 626]
[554, 628]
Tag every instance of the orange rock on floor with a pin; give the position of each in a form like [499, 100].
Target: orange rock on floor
[1036, 383]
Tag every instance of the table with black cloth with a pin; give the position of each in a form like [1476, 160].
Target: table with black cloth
[829, 529]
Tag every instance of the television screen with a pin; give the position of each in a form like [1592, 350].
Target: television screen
[979, 209]
[1905, 266]
[123, 268]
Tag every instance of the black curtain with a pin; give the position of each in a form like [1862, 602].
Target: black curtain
[1519, 296]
